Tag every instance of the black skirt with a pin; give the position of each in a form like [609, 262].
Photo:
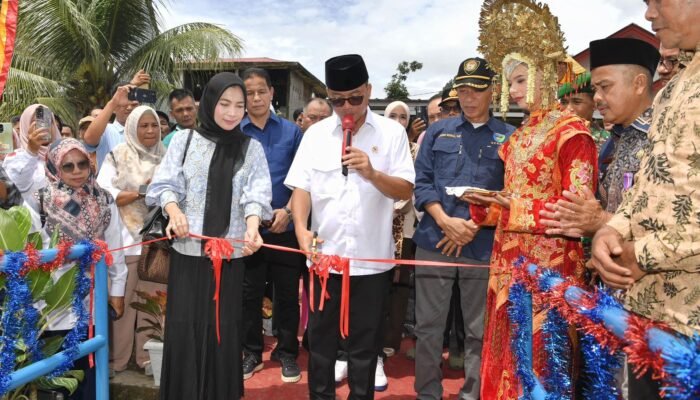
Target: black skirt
[195, 365]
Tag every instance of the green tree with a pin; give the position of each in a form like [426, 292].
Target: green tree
[396, 88]
[70, 54]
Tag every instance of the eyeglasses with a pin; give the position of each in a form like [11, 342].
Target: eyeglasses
[669, 63]
[353, 100]
[316, 118]
[447, 109]
[70, 167]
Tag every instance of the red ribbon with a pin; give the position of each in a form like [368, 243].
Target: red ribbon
[217, 249]
[322, 268]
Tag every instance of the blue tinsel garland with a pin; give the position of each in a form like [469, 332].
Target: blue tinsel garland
[520, 316]
[599, 368]
[603, 300]
[16, 291]
[79, 332]
[682, 365]
[555, 333]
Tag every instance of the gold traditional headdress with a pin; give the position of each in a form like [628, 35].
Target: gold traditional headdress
[525, 31]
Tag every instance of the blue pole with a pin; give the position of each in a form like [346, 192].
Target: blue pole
[615, 320]
[101, 330]
[47, 365]
[97, 345]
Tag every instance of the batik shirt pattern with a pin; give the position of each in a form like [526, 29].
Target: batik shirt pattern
[660, 213]
[629, 145]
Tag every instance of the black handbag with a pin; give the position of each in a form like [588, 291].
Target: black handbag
[154, 264]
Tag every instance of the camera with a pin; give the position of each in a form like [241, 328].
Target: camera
[142, 95]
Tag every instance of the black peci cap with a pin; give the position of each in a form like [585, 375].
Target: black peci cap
[614, 51]
[346, 72]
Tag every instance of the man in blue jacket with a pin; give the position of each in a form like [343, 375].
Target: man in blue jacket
[457, 151]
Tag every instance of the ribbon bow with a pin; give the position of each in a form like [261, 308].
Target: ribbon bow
[217, 249]
[322, 267]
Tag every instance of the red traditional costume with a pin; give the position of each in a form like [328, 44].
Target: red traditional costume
[551, 152]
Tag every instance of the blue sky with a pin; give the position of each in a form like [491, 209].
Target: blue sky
[439, 34]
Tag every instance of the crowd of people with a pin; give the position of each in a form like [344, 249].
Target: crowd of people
[612, 202]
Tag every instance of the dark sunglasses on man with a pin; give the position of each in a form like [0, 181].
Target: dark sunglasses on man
[340, 101]
[70, 167]
[446, 109]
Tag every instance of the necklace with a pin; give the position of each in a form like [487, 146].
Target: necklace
[529, 143]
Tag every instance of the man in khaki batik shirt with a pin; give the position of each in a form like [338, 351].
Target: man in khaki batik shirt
[651, 247]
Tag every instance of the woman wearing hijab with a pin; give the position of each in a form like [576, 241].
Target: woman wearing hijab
[129, 166]
[25, 166]
[214, 182]
[72, 203]
[403, 228]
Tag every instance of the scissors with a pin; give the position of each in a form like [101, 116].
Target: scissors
[314, 246]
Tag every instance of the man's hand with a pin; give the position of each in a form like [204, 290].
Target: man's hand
[628, 259]
[607, 246]
[118, 304]
[141, 78]
[280, 221]
[574, 217]
[459, 230]
[416, 128]
[448, 247]
[358, 160]
[121, 96]
[305, 238]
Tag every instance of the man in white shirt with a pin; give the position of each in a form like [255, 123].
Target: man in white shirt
[101, 136]
[353, 217]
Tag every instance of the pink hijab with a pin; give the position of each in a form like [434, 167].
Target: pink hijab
[25, 121]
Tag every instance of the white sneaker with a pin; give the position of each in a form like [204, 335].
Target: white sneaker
[388, 351]
[341, 370]
[380, 381]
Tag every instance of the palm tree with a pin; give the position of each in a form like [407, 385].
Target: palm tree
[70, 54]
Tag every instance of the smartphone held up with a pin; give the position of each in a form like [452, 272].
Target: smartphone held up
[142, 95]
[43, 118]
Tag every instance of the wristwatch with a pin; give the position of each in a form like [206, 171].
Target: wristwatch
[289, 212]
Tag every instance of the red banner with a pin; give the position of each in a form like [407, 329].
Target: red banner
[8, 33]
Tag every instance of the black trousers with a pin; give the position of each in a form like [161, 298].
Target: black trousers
[284, 270]
[367, 296]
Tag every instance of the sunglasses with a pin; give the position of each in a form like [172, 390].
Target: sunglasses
[446, 109]
[353, 100]
[70, 167]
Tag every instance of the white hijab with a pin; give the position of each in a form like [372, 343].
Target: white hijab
[135, 165]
